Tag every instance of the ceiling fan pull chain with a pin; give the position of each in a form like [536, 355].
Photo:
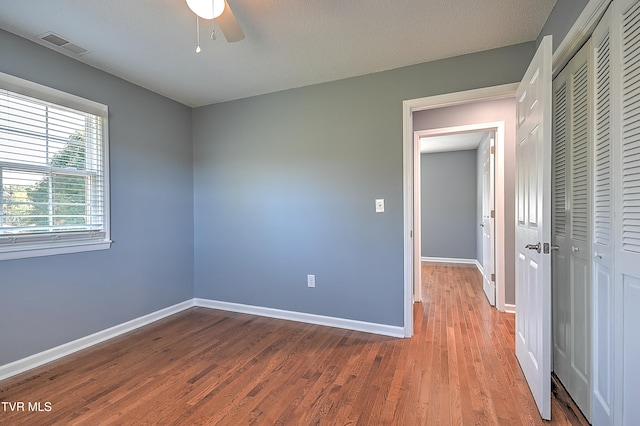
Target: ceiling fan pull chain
[198, 50]
[213, 31]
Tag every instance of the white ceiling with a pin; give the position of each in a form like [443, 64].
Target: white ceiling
[451, 142]
[289, 43]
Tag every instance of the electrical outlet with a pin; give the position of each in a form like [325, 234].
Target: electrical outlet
[311, 280]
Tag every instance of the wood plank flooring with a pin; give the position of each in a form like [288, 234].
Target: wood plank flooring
[211, 367]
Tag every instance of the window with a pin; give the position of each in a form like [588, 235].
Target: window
[53, 171]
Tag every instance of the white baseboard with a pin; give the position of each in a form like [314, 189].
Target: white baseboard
[450, 260]
[368, 327]
[510, 308]
[52, 354]
[455, 261]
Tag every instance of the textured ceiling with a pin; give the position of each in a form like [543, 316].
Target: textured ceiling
[289, 43]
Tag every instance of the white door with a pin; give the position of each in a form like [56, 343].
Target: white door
[627, 209]
[533, 227]
[602, 267]
[489, 284]
[571, 264]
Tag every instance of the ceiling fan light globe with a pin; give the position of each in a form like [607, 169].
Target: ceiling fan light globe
[207, 9]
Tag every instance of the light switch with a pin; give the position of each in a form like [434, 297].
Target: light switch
[380, 205]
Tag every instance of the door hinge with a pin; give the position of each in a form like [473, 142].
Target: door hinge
[493, 214]
[493, 277]
[493, 150]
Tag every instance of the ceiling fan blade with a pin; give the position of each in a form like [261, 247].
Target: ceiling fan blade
[229, 24]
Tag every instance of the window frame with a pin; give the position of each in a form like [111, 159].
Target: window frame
[53, 243]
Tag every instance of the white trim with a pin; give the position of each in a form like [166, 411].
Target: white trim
[466, 128]
[579, 33]
[459, 98]
[367, 327]
[450, 260]
[41, 358]
[500, 223]
[408, 225]
[24, 252]
[49, 94]
[417, 213]
[431, 102]
[509, 308]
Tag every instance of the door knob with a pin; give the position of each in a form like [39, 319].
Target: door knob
[597, 255]
[575, 249]
[535, 247]
[548, 248]
[481, 224]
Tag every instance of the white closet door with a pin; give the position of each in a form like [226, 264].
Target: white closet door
[561, 186]
[579, 377]
[627, 208]
[572, 214]
[602, 268]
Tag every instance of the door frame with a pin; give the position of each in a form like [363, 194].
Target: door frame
[498, 127]
[409, 186]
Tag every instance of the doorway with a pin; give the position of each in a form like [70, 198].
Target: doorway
[504, 188]
[456, 198]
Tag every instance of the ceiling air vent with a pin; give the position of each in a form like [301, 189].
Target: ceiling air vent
[56, 40]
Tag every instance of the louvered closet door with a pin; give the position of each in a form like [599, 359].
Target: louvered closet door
[627, 208]
[580, 236]
[571, 265]
[602, 267]
[560, 223]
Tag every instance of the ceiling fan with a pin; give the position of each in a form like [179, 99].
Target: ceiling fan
[223, 15]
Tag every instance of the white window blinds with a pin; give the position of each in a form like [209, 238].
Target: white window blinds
[52, 173]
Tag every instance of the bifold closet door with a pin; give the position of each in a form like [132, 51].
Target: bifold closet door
[602, 266]
[626, 84]
[572, 231]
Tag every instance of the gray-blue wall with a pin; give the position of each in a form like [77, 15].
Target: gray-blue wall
[284, 186]
[561, 19]
[449, 195]
[48, 301]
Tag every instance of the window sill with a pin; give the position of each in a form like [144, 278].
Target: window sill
[33, 250]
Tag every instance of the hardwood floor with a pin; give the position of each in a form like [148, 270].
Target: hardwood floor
[204, 366]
